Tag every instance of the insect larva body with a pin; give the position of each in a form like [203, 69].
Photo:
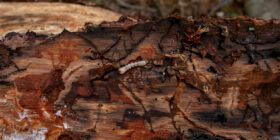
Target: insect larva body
[127, 67]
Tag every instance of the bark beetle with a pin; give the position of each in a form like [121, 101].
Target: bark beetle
[180, 79]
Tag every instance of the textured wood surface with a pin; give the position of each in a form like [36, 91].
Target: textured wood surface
[183, 79]
[49, 18]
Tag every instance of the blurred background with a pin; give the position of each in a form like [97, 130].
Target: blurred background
[153, 9]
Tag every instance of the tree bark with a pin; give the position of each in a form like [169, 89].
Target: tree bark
[174, 78]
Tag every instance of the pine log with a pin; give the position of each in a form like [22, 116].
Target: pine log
[175, 78]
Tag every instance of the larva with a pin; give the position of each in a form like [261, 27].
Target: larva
[127, 67]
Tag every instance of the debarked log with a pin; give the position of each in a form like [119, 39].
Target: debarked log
[175, 78]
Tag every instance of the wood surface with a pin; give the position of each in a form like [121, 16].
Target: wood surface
[50, 18]
[174, 78]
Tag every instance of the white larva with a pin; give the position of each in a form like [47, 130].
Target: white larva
[127, 67]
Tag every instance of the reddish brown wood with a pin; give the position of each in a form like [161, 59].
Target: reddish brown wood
[181, 79]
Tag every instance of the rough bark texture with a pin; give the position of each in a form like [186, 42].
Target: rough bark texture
[170, 79]
[50, 18]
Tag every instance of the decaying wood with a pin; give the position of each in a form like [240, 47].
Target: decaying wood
[169, 79]
[49, 18]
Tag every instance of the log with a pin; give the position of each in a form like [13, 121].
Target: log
[175, 78]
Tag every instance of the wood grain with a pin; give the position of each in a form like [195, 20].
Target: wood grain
[204, 79]
[50, 18]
